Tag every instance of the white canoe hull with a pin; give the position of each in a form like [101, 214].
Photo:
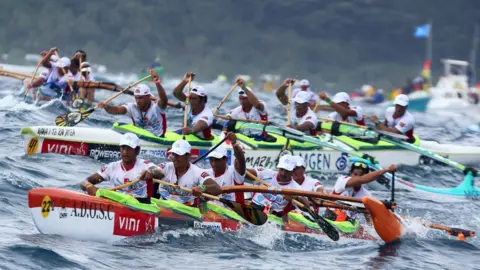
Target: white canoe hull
[100, 143]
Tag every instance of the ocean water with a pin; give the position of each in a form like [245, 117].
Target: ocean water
[265, 247]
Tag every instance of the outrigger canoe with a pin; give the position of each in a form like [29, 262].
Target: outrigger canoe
[102, 143]
[112, 216]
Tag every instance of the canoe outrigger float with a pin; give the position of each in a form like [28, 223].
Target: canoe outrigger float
[102, 143]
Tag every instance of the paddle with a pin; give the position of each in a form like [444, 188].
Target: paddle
[461, 234]
[12, 75]
[262, 122]
[73, 118]
[326, 227]
[391, 134]
[34, 74]
[125, 185]
[247, 212]
[225, 98]
[289, 105]
[211, 149]
[187, 103]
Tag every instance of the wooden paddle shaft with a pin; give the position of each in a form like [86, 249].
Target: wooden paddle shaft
[15, 76]
[187, 102]
[16, 73]
[286, 191]
[342, 122]
[125, 185]
[125, 89]
[185, 189]
[241, 120]
[225, 98]
[289, 104]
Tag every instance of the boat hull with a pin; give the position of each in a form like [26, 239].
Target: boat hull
[100, 143]
[80, 216]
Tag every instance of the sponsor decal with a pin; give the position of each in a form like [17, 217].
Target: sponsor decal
[133, 223]
[204, 174]
[158, 153]
[402, 124]
[62, 213]
[216, 226]
[32, 146]
[92, 210]
[64, 147]
[47, 206]
[262, 161]
[63, 132]
[316, 160]
[342, 162]
[104, 154]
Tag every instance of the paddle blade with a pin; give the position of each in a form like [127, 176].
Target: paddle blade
[72, 119]
[386, 223]
[326, 227]
[247, 212]
[203, 206]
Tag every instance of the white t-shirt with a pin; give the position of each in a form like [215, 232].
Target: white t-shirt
[117, 175]
[230, 178]
[310, 184]
[253, 114]
[340, 189]
[308, 117]
[195, 176]
[351, 119]
[405, 124]
[53, 77]
[75, 77]
[206, 116]
[273, 201]
[153, 120]
[90, 78]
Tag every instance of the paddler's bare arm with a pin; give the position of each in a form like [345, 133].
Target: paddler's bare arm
[324, 108]
[178, 91]
[383, 126]
[304, 127]
[89, 184]
[369, 177]
[163, 100]
[344, 112]
[112, 109]
[153, 172]
[281, 91]
[211, 187]
[252, 98]
[240, 165]
[46, 59]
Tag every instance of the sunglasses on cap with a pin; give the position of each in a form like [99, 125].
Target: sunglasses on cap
[360, 165]
[241, 92]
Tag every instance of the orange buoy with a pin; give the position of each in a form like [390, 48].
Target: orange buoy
[386, 224]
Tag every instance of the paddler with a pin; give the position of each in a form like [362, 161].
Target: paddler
[89, 93]
[74, 75]
[343, 111]
[200, 117]
[186, 174]
[304, 87]
[128, 169]
[145, 113]
[397, 119]
[352, 185]
[279, 205]
[40, 80]
[304, 119]
[251, 108]
[56, 82]
[226, 175]
[306, 182]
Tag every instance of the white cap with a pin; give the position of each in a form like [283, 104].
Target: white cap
[180, 147]
[85, 64]
[341, 97]
[86, 69]
[199, 91]
[130, 139]
[63, 62]
[219, 152]
[401, 100]
[302, 97]
[299, 161]
[304, 82]
[141, 90]
[287, 162]
[53, 58]
[242, 93]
